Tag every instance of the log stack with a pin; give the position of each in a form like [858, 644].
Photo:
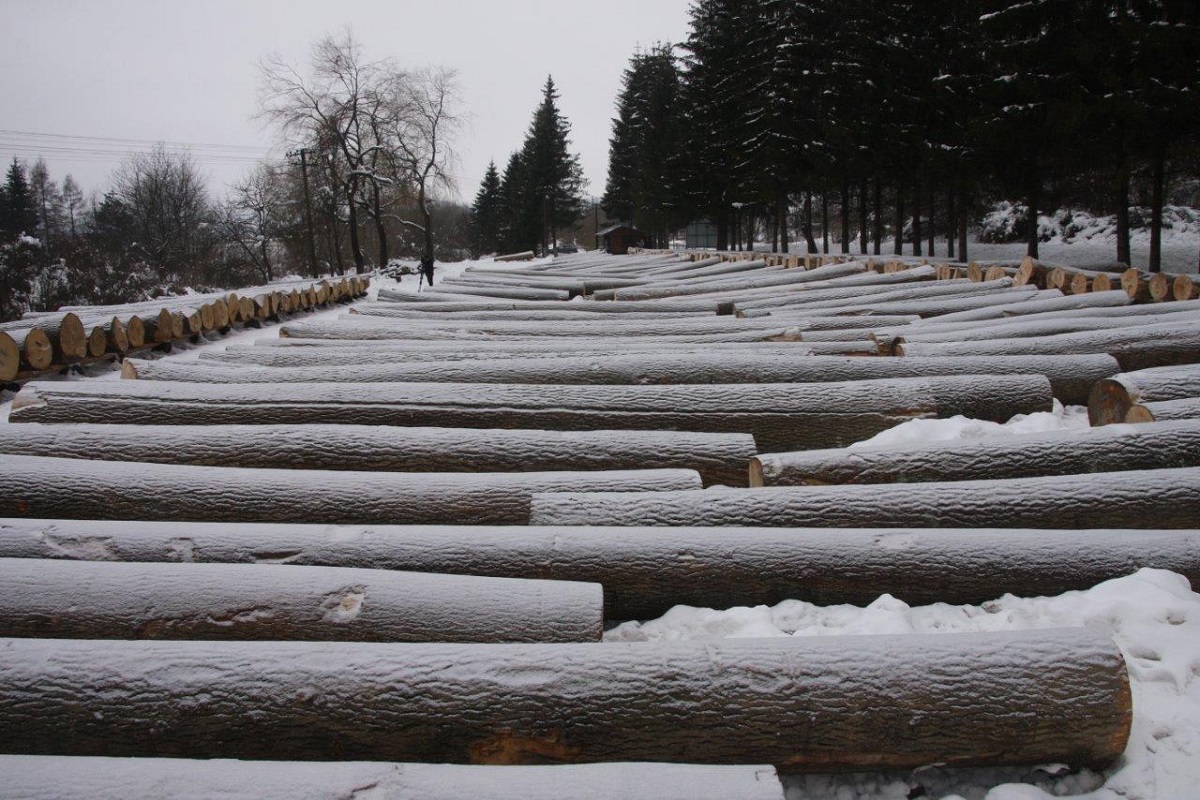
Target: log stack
[415, 521]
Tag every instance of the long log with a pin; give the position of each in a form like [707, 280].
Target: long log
[832, 299]
[36, 486]
[1098, 450]
[1164, 410]
[780, 416]
[481, 304]
[613, 326]
[720, 458]
[57, 777]
[850, 286]
[1021, 327]
[510, 292]
[98, 600]
[1162, 498]
[739, 283]
[1137, 347]
[821, 703]
[1110, 399]
[380, 330]
[647, 571]
[1092, 300]
[568, 312]
[1071, 377]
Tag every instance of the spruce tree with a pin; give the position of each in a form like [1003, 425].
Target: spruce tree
[554, 178]
[17, 214]
[485, 213]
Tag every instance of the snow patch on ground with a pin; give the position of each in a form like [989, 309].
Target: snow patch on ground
[921, 431]
[1153, 615]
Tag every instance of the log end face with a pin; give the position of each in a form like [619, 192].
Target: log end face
[129, 370]
[10, 357]
[508, 748]
[26, 399]
[1108, 402]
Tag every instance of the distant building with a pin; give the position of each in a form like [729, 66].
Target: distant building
[617, 239]
[700, 235]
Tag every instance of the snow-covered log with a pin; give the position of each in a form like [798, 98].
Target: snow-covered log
[58, 777]
[743, 281]
[623, 325]
[387, 299]
[646, 571]
[854, 286]
[782, 417]
[1071, 377]
[1135, 348]
[1099, 450]
[10, 357]
[36, 353]
[1093, 300]
[869, 295]
[1020, 327]
[718, 457]
[36, 486]
[1186, 287]
[1161, 498]
[101, 600]
[1163, 410]
[1111, 398]
[818, 704]
[567, 312]
[380, 329]
[509, 292]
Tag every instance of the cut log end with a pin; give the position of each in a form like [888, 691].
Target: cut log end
[1109, 403]
[1138, 413]
[10, 357]
[129, 370]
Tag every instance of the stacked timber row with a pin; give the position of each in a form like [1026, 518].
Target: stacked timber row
[46, 341]
[414, 522]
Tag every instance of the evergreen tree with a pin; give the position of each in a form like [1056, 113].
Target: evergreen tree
[17, 214]
[519, 218]
[485, 213]
[646, 135]
[554, 179]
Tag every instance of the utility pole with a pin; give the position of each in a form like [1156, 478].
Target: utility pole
[312, 242]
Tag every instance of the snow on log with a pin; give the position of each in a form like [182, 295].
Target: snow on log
[781, 416]
[1111, 398]
[1137, 347]
[742, 282]
[1071, 377]
[1099, 450]
[36, 351]
[1092, 300]
[64, 332]
[646, 571]
[380, 329]
[1163, 410]
[855, 286]
[818, 704]
[610, 326]
[508, 292]
[390, 311]
[386, 298]
[57, 777]
[832, 299]
[1161, 498]
[36, 486]
[718, 457]
[101, 600]
[1043, 325]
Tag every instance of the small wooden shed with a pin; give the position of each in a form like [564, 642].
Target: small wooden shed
[617, 239]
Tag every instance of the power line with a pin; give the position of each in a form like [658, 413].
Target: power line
[131, 142]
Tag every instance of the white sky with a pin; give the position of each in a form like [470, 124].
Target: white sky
[166, 70]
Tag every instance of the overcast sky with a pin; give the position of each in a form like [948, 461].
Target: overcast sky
[132, 72]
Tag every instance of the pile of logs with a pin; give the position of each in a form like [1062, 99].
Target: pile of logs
[397, 535]
[46, 341]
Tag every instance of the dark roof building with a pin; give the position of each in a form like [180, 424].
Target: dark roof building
[617, 239]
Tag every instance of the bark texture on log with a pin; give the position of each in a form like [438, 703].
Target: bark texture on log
[647, 571]
[82, 777]
[1023, 328]
[1165, 410]
[476, 305]
[36, 351]
[1162, 498]
[780, 416]
[820, 703]
[98, 600]
[1111, 398]
[718, 457]
[739, 283]
[509, 292]
[36, 486]
[1100, 450]
[351, 329]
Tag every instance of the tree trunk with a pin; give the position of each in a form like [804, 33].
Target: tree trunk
[862, 217]
[951, 223]
[808, 223]
[1157, 191]
[846, 203]
[52, 777]
[824, 222]
[782, 210]
[1032, 198]
[647, 571]
[61, 487]
[964, 213]
[916, 218]
[1121, 201]
[1112, 397]
[56, 599]
[360, 265]
[1101, 450]
[898, 248]
[818, 704]
[718, 457]
[380, 232]
[1163, 498]
[780, 416]
[877, 210]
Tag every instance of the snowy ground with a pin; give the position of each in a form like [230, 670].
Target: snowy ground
[1153, 615]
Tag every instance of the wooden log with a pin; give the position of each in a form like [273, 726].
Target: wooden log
[1164, 410]
[624, 325]
[1100, 450]
[351, 328]
[858, 285]
[774, 279]
[720, 458]
[36, 353]
[10, 357]
[510, 292]
[1161, 498]
[564, 313]
[65, 333]
[1071, 377]
[56, 777]
[856, 298]
[1137, 347]
[1037, 326]
[97, 342]
[1111, 398]
[820, 703]
[647, 571]
[1186, 287]
[135, 331]
[611, 307]
[525, 255]
[1160, 287]
[58, 599]
[64, 487]
[780, 416]
[1136, 284]
[1094, 300]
